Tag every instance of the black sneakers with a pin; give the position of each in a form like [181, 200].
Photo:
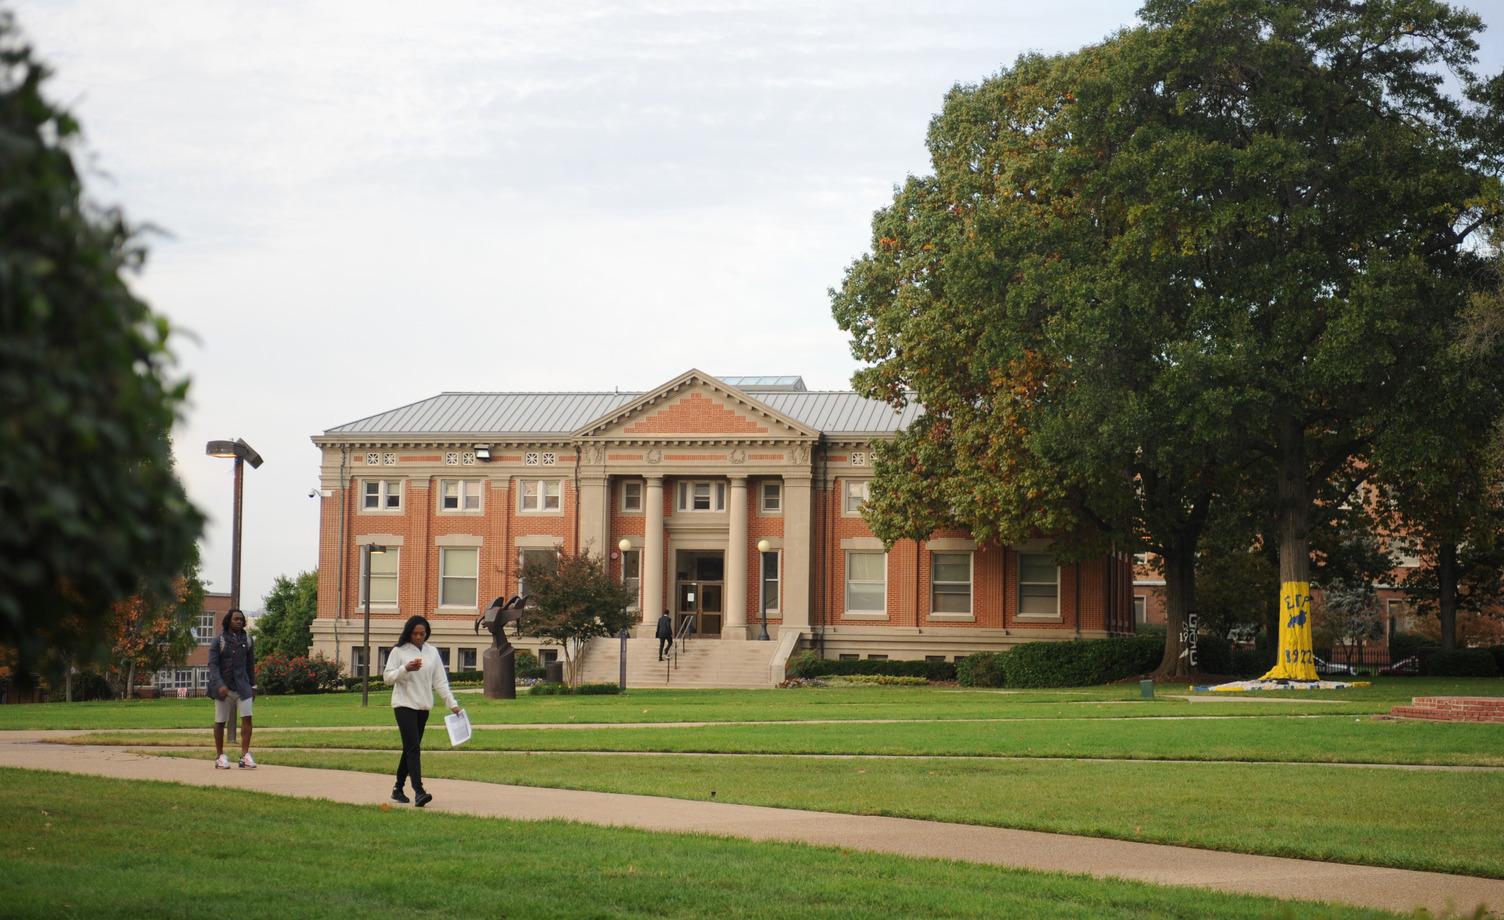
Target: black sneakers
[423, 799]
[397, 796]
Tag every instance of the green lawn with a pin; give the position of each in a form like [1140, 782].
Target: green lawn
[1316, 739]
[92, 847]
[924, 703]
[1409, 819]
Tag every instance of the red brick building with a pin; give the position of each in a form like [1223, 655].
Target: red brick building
[677, 487]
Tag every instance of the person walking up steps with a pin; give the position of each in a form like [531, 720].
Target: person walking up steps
[232, 686]
[665, 634]
[415, 672]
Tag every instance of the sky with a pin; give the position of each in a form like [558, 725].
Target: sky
[362, 204]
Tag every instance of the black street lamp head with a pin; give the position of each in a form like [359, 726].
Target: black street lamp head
[237, 449]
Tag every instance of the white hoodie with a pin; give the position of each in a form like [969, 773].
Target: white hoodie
[415, 689]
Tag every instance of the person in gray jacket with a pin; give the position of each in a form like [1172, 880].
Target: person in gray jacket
[232, 686]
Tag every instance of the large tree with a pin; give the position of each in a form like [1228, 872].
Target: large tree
[92, 511]
[150, 631]
[573, 599]
[1222, 240]
[291, 606]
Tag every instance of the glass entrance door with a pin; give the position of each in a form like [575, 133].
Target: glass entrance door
[700, 601]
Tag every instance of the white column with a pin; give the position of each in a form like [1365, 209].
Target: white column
[735, 596]
[652, 552]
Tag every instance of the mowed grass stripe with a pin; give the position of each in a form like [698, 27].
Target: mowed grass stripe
[95, 847]
[1256, 739]
[1428, 821]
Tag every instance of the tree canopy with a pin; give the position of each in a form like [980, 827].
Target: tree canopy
[291, 606]
[92, 509]
[576, 600]
[1214, 245]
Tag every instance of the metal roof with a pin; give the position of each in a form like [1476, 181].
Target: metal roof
[790, 383]
[561, 414]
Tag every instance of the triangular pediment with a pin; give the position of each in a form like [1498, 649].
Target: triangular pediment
[695, 405]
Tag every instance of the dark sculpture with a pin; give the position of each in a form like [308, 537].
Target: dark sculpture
[499, 663]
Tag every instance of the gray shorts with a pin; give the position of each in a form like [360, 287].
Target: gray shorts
[222, 708]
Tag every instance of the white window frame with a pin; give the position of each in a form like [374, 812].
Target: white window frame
[388, 496]
[860, 612]
[854, 492]
[971, 576]
[628, 487]
[771, 489]
[765, 596]
[467, 489]
[444, 576]
[466, 658]
[1021, 584]
[203, 633]
[1141, 609]
[545, 500]
[522, 553]
[632, 583]
[393, 553]
[715, 496]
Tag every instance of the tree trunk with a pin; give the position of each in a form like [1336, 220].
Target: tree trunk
[130, 681]
[1446, 581]
[1295, 659]
[68, 679]
[1180, 600]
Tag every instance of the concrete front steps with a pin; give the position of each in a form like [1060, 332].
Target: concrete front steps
[702, 663]
[1452, 709]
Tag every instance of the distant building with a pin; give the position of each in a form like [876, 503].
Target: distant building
[192, 677]
[463, 488]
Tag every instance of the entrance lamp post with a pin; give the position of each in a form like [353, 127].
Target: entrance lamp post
[763, 548]
[371, 549]
[241, 452]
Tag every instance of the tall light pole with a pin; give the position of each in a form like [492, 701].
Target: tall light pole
[371, 549]
[763, 547]
[241, 452]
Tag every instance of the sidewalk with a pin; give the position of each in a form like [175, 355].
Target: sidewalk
[1387, 889]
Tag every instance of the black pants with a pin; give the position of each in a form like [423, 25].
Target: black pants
[411, 722]
[664, 645]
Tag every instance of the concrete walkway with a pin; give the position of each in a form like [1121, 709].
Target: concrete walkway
[1365, 886]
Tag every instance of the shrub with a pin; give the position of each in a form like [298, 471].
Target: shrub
[809, 664]
[581, 690]
[1081, 663]
[886, 680]
[1462, 662]
[1251, 662]
[1498, 652]
[87, 685]
[1406, 645]
[528, 666]
[277, 674]
[1213, 655]
[984, 669]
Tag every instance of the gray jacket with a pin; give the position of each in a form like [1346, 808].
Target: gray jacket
[235, 667]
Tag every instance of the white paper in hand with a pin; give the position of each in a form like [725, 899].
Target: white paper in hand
[458, 724]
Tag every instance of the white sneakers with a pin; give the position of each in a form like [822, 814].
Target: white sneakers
[247, 762]
[221, 762]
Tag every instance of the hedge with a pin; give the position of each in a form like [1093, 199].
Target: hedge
[983, 669]
[581, 690]
[1081, 663]
[1462, 662]
[809, 664]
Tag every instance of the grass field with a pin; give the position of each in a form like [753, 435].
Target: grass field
[1115, 701]
[95, 847]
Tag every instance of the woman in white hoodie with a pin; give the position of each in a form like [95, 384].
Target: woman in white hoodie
[415, 672]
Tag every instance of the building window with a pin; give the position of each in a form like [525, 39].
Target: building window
[855, 492]
[877, 657]
[459, 495]
[381, 495]
[382, 653]
[770, 581]
[535, 558]
[444, 656]
[548, 655]
[950, 583]
[702, 495]
[539, 495]
[1395, 609]
[1038, 585]
[203, 633]
[1140, 609]
[846, 657]
[1140, 558]
[866, 582]
[631, 495]
[631, 575]
[467, 659]
[1409, 559]
[458, 573]
[383, 577]
[772, 497]
[357, 660]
